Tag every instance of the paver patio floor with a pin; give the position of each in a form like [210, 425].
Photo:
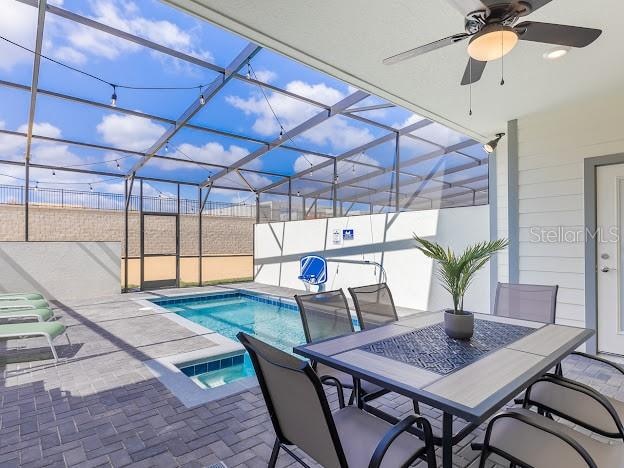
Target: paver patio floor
[101, 406]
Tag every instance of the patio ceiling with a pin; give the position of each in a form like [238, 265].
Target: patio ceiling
[349, 39]
[395, 166]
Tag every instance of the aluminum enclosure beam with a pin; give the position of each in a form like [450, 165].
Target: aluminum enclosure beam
[299, 129]
[211, 90]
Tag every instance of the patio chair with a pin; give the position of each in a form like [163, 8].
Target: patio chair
[373, 305]
[532, 302]
[42, 314]
[326, 315]
[48, 330]
[525, 438]
[21, 296]
[20, 303]
[350, 437]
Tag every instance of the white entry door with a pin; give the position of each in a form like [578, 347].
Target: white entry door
[610, 258]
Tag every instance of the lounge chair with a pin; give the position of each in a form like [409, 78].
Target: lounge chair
[22, 296]
[19, 303]
[49, 330]
[525, 438]
[349, 437]
[41, 314]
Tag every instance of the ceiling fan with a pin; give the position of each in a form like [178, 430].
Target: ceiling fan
[494, 31]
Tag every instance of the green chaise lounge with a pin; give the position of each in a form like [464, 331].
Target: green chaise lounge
[19, 303]
[41, 314]
[30, 296]
[49, 330]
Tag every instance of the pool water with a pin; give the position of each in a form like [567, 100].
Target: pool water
[271, 320]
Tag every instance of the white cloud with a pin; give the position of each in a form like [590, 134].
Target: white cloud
[42, 129]
[266, 76]
[338, 132]
[126, 16]
[70, 55]
[129, 131]
[17, 23]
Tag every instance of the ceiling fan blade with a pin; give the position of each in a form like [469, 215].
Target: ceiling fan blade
[559, 34]
[425, 48]
[473, 73]
[537, 4]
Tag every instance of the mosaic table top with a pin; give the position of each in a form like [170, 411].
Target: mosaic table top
[431, 349]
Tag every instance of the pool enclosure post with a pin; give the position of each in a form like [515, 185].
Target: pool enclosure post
[289, 199]
[335, 187]
[125, 287]
[178, 239]
[257, 207]
[303, 211]
[397, 172]
[200, 207]
[141, 232]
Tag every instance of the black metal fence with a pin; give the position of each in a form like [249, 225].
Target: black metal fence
[63, 198]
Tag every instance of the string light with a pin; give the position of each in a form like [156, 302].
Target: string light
[167, 146]
[202, 99]
[53, 172]
[248, 71]
[298, 193]
[281, 135]
[117, 162]
[114, 96]
[36, 186]
[91, 187]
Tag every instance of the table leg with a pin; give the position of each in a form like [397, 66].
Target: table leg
[447, 440]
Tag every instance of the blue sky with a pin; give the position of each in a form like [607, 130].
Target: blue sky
[239, 108]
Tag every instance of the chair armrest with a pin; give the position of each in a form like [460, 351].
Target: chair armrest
[537, 422]
[396, 431]
[326, 379]
[613, 365]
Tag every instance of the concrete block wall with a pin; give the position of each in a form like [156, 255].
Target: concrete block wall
[221, 235]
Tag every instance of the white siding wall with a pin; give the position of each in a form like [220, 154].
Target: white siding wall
[552, 147]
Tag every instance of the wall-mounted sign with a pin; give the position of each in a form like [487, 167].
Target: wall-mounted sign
[348, 234]
[336, 237]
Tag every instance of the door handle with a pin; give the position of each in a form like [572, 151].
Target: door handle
[606, 269]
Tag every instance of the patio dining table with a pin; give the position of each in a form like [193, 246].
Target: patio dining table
[471, 379]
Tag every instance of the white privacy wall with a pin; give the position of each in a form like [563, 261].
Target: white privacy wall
[61, 270]
[383, 238]
[551, 148]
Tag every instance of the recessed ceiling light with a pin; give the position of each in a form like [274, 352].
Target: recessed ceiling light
[556, 53]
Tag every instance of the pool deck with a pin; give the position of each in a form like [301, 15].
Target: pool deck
[102, 406]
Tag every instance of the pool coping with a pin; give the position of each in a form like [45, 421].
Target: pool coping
[166, 369]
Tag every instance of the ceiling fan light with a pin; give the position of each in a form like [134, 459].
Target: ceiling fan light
[492, 43]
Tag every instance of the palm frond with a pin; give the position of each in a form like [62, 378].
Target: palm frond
[456, 272]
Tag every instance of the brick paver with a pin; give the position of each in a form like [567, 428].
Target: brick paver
[101, 406]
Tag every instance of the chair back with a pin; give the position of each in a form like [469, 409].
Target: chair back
[324, 315]
[526, 302]
[374, 305]
[296, 402]
[577, 403]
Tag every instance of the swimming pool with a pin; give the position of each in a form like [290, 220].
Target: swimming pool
[271, 319]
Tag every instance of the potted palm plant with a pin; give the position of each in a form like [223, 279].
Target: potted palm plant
[456, 272]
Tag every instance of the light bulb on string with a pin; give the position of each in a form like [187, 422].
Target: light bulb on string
[248, 71]
[36, 186]
[202, 99]
[53, 172]
[117, 162]
[114, 97]
[167, 147]
[91, 187]
[281, 135]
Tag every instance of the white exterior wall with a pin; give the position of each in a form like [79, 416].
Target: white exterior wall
[61, 270]
[384, 238]
[552, 146]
